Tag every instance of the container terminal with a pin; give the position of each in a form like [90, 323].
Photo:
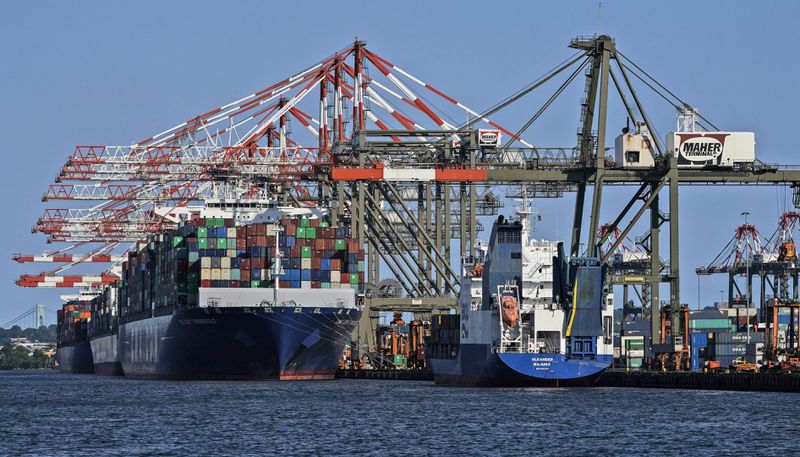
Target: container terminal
[361, 149]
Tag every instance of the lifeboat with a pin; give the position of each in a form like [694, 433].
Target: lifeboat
[508, 304]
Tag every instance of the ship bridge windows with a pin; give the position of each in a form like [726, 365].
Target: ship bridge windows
[509, 236]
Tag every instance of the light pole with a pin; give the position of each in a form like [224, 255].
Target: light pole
[747, 281]
[698, 292]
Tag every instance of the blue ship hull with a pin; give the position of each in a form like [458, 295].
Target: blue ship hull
[237, 343]
[476, 365]
[75, 358]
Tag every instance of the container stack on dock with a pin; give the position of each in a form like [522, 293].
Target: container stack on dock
[169, 268]
[725, 347]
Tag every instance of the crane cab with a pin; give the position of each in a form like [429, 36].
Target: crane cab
[634, 150]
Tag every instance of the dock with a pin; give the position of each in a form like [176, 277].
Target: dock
[763, 382]
[393, 375]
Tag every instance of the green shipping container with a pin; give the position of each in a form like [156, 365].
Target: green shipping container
[255, 283]
[353, 278]
[326, 285]
[222, 243]
[202, 243]
[722, 324]
[399, 360]
[311, 233]
[304, 223]
[235, 274]
[340, 245]
[202, 232]
[634, 344]
[305, 252]
[301, 233]
[324, 224]
[177, 241]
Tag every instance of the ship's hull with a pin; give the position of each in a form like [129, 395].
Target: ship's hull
[285, 343]
[105, 355]
[478, 366]
[75, 358]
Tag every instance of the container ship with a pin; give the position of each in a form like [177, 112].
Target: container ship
[73, 354]
[262, 293]
[103, 332]
[528, 317]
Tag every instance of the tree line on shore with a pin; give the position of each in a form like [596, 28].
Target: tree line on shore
[15, 357]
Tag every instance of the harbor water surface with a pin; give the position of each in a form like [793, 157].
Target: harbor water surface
[47, 413]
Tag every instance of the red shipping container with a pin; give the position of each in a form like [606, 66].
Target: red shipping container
[290, 229]
[316, 263]
[361, 277]
[261, 229]
[316, 285]
[257, 263]
[360, 255]
[234, 284]
[228, 223]
[251, 240]
[295, 251]
[330, 244]
[241, 232]
[319, 244]
[285, 284]
[336, 264]
[244, 264]
[313, 222]
[205, 283]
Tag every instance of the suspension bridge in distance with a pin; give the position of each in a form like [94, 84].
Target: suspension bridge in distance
[35, 317]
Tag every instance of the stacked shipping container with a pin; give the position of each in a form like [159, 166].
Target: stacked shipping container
[73, 321]
[169, 268]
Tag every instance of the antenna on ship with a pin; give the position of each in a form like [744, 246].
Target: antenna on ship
[524, 211]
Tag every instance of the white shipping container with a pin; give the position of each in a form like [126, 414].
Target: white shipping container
[225, 262]
[205, 262]
[215, 274]
[305, 284]
[205, 273]
[232, 232]
[634, 353]
[305, 264]
[335, 277]
[712, 149]
[225, 274]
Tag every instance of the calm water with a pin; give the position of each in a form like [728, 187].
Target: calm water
[54, 414]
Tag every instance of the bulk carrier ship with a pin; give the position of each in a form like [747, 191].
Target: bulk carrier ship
[251, 291]
[528, 317]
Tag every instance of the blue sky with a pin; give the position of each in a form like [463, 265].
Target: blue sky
[116, 72]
